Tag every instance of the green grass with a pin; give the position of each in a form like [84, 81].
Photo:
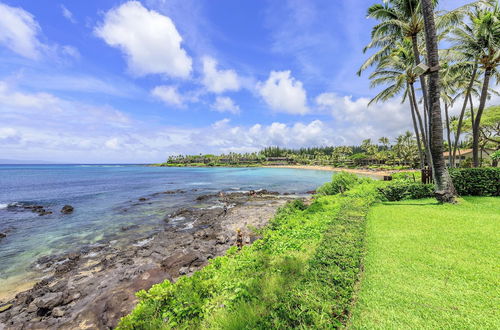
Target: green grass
[301, 274]
[431, 266]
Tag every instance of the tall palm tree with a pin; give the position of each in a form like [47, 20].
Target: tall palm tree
[445, 191]
[397, 70]
[479, 38]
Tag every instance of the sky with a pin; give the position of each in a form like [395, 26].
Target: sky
[108, 81]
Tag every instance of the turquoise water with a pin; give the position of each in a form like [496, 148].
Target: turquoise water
[106, 198]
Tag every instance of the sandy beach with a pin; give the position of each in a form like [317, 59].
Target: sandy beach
[369, 172]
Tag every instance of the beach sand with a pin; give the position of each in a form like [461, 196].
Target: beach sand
[368, 172]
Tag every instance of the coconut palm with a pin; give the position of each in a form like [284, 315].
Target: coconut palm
[445, 191]
[397, 70]
[478, 39]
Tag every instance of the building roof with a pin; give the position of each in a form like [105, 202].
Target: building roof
[460, 152]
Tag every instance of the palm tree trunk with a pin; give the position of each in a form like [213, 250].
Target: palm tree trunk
[462, 113]
[417, 133]
[445, 191]
[472, 116]
[416, 55]
[448, 133]
[422, 130]
[477, 121]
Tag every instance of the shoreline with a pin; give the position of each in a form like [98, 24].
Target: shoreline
[377, 173]
[96, 285]
[363, 171]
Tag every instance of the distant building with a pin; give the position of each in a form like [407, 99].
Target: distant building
[465, 155]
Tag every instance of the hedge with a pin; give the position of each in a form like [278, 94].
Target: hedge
[402, 190]
[476, 181]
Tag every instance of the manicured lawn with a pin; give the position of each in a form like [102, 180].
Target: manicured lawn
[431, 266]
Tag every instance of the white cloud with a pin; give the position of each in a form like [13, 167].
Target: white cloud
[18, 31]
[68, 14]
[168, 94]
[218, 81]
[283, 93]
[75, 132]
[221, 123]
[380, 119]
[149, 40]
[225, 104]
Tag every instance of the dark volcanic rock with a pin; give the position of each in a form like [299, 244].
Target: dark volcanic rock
[49, 300]
[67, 209]
[96, 286]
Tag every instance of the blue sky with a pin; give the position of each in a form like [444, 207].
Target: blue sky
[101, 81]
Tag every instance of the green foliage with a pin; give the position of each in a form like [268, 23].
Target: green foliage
[476, 181]
[301, 274]
[496, 155]
[341, 182]
[415, 176]
[402, 190]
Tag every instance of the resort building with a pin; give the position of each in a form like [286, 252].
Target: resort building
[465, 156]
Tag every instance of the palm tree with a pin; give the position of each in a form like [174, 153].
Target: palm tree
[399, 19]
[384, 141]
[397, 70]
[479, 38]
[445, 191]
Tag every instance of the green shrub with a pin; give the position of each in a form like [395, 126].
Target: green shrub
[402, 190]
[415, 176]
[341, 182]
[476, 181]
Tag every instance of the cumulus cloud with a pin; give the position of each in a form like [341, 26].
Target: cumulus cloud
[70, 131]
[380, 119]
[18, 32]
[168, 94]
[283, 93]
[218, 81]
[149, 40]
[225, 104]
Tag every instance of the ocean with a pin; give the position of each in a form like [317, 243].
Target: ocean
[109, 198]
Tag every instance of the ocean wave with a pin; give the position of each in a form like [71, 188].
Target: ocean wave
[3, 206]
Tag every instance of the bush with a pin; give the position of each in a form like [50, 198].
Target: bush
[476, 181]
[341, 182]
[402, 190]
[415, 176]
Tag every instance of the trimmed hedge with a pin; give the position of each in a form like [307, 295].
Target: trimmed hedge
[476, 181]
[402, 190]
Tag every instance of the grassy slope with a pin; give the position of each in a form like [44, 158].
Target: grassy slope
[431, 266]
[300, 275]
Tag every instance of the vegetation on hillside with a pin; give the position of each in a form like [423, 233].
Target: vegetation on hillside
[302, 273]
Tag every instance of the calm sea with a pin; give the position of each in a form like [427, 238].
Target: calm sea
[106, 199]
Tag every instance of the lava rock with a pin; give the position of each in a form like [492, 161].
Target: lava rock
[67, 209]
[49, 300]
[58, 312]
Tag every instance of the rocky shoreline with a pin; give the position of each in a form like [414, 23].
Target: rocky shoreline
[94, 287]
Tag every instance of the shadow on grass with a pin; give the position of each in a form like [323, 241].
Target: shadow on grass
[410, 203]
